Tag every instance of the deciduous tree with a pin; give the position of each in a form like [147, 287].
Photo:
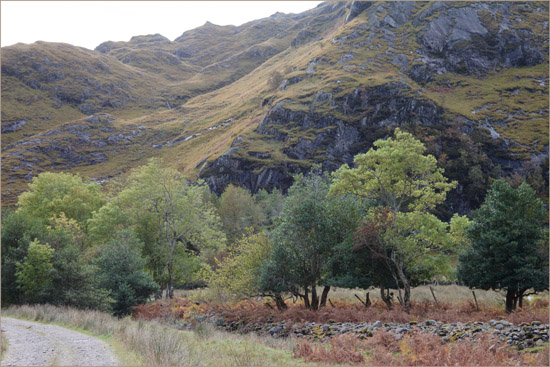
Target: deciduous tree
[310, 226]
[403, 185]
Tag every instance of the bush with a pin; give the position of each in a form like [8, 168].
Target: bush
[122, 272]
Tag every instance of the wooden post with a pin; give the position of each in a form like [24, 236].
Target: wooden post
[475, 299]
[433, 295]
[365, 303]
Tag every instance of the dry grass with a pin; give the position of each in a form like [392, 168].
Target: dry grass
[455, 304]
[3, 344]
[158, 345]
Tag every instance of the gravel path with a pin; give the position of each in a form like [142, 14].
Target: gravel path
[35, 344]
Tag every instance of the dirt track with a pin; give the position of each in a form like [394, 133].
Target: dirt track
[34, 344]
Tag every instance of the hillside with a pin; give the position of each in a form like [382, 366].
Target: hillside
[255, 103]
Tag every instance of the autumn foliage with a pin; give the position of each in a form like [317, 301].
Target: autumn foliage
[259, 310]
[418, 349]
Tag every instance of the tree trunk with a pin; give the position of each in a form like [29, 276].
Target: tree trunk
[170, 285]
[510, 298]
[406, 285]
[386, 297]
[520, 297]
[314, 298]
[407, 296]
[324, 296]
[280, 302]
[306, 298]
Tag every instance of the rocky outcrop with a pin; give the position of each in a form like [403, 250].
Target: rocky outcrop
[336, 141]
[356, 8]
[474, 40]
[10, 127]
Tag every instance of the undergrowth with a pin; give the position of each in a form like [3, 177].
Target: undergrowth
[260, 310]
[384, 349]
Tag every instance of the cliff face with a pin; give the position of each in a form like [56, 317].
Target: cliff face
[257, 103]
[431, 68]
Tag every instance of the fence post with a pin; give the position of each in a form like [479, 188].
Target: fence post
[433, 295]
[475, 299]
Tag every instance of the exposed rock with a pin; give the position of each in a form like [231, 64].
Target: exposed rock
[356, 8]
[8, 127]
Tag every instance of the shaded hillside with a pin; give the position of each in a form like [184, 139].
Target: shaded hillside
[253, 104]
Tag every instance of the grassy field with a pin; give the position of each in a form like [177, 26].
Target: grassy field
[443, 293]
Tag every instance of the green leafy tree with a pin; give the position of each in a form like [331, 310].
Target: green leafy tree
[310, 226]
[271, 204]
[55, 193]
[506, 236]
[237, 275]
[174, 213]
[34, 274]
[18, 231]
[409, 246]
[122, 273]
[402, 185]
[75, 282]
[238, 211]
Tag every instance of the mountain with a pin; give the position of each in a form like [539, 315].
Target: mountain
[254, 104]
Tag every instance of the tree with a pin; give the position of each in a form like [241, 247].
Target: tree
[173, 212]
[402, 186]
[271, 204]
[55, 193]
[238, 211]
[75, 282]
[506, 236]
[310, 226]
[18, 231]
[122, 273]
[409, 246]
[34, 274]
[238, 274]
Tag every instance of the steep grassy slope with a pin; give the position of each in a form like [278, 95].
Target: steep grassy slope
[270, 98]
[44, 84]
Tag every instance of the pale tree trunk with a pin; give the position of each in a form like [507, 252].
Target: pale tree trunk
[170, 285]
[385, 295]
[406, 299]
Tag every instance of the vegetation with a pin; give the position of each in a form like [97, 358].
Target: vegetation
[438, 146]
[455, 304]
[403, 185]
[508, 243]
[123, 273]
[370, 226]
[309, 227]
[415, 350]
[156, 345]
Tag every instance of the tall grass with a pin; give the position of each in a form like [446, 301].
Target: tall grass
[3, 344]
[158, 345]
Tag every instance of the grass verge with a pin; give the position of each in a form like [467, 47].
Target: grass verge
[152, 344]
[3, 345]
